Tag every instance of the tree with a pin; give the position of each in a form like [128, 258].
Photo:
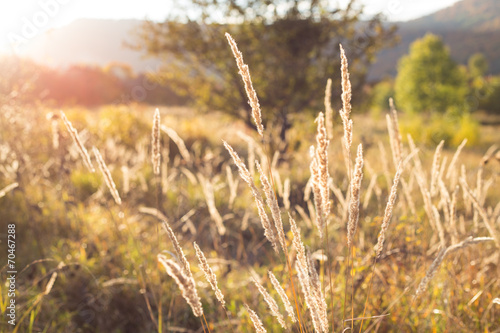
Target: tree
[429, 80]
[291, 48]
[477, 65]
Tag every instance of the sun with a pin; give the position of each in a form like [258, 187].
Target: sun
[23, 21]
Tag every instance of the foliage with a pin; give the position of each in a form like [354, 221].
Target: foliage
[379, 97]
[489, 94]
[431, 129]
[291, 47]
[429, 80]
[25, 81]
[477, 65]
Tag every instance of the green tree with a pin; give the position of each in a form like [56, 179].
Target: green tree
[477, 65]
[429, 80]
[291, 48]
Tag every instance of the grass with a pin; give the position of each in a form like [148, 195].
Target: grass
[88, 264]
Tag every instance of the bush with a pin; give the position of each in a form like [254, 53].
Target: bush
[431, 129]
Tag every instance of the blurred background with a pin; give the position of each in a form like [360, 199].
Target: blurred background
[89, 53]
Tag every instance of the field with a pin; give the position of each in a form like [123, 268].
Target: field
[92, 251]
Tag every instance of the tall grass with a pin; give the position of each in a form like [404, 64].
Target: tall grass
[305, 270]
[347, 242]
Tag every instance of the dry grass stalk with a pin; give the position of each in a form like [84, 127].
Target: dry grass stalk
[451, 168]
[311, 301]
[467, 199]
[178, 141]
[328, 109]
[489, 154]
[322, 160]
[435, 168]
[155, 143]
[440, 257]
[388, 212]
[453, 217]
[273, 306]
[209, 274]
[346, 104]
[355, 194]
[126, 179]
[257, 323]
[439, 225]
[272, 203]
[480, 185]
[278, 184]
[445, 201]
[275, 160]
[247, 177]
[79, 144]
[369, 190]
[489, 224]
[189, 175]
[392, 140]
[418, 164]
[301, 266]
[151, 211]
[245, 75]
[427, 200]
[318, 199]
[422, 287]
[283, 296]
[286, 193]
[178, 249]
[304, 215]
[232, 184]
[187, 224]
[485, 188]
[7, 189]
[385, 163]
[408, 196]
[338, 194]
[440, 177]
[107, 176]
[253, 148]
[50, 284]
[347, 157]
[496, 211]
[398, 140]
[186, 284]
[208, 191]
[317, 293]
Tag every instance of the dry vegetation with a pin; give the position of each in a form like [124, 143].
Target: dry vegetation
[395, 238]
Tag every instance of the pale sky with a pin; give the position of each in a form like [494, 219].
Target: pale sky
[25, 17]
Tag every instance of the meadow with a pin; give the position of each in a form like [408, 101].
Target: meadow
[365, 231]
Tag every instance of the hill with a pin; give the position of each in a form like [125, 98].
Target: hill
[467, 27]
[92, 41]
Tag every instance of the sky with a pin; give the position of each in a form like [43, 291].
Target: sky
[29, 18]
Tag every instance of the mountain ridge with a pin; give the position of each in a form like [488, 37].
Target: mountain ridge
[466, 27]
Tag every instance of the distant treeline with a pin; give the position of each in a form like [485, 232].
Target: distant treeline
[86, 85]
